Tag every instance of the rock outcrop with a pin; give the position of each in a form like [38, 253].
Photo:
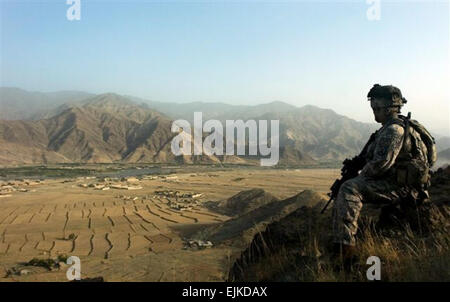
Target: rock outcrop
[241, 229]
[301, 238]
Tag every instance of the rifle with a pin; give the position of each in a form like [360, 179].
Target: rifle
[350, 170]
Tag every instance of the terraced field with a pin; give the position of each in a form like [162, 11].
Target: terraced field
[133, 238]
[103, 227]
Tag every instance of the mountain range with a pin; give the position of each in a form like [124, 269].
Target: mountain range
[102, 129]
[73, 126]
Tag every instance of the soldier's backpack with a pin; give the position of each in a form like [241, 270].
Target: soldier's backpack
[426, 138]
[415, 172]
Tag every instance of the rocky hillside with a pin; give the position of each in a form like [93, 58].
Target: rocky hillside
[105, 128]
[296, 247]
[239, 230]
[243, 202]
[321, 133]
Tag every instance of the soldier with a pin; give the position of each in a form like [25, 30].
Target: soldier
[390, 163]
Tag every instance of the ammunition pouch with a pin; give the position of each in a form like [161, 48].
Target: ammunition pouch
[412, 173]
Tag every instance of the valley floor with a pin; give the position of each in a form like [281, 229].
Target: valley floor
[132, 235]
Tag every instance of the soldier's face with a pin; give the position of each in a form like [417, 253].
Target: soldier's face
[379, 107]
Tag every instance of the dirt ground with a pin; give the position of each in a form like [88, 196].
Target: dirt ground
[133, 238]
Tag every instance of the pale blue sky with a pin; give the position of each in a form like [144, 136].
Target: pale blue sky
[242, 52]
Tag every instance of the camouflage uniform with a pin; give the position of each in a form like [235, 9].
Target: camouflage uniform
[377, 181]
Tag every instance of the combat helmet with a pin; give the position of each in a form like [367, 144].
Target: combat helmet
[387, 92]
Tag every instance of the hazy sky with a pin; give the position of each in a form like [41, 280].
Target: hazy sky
[326, 54]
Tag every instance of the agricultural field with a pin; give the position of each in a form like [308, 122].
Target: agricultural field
[133, 228]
